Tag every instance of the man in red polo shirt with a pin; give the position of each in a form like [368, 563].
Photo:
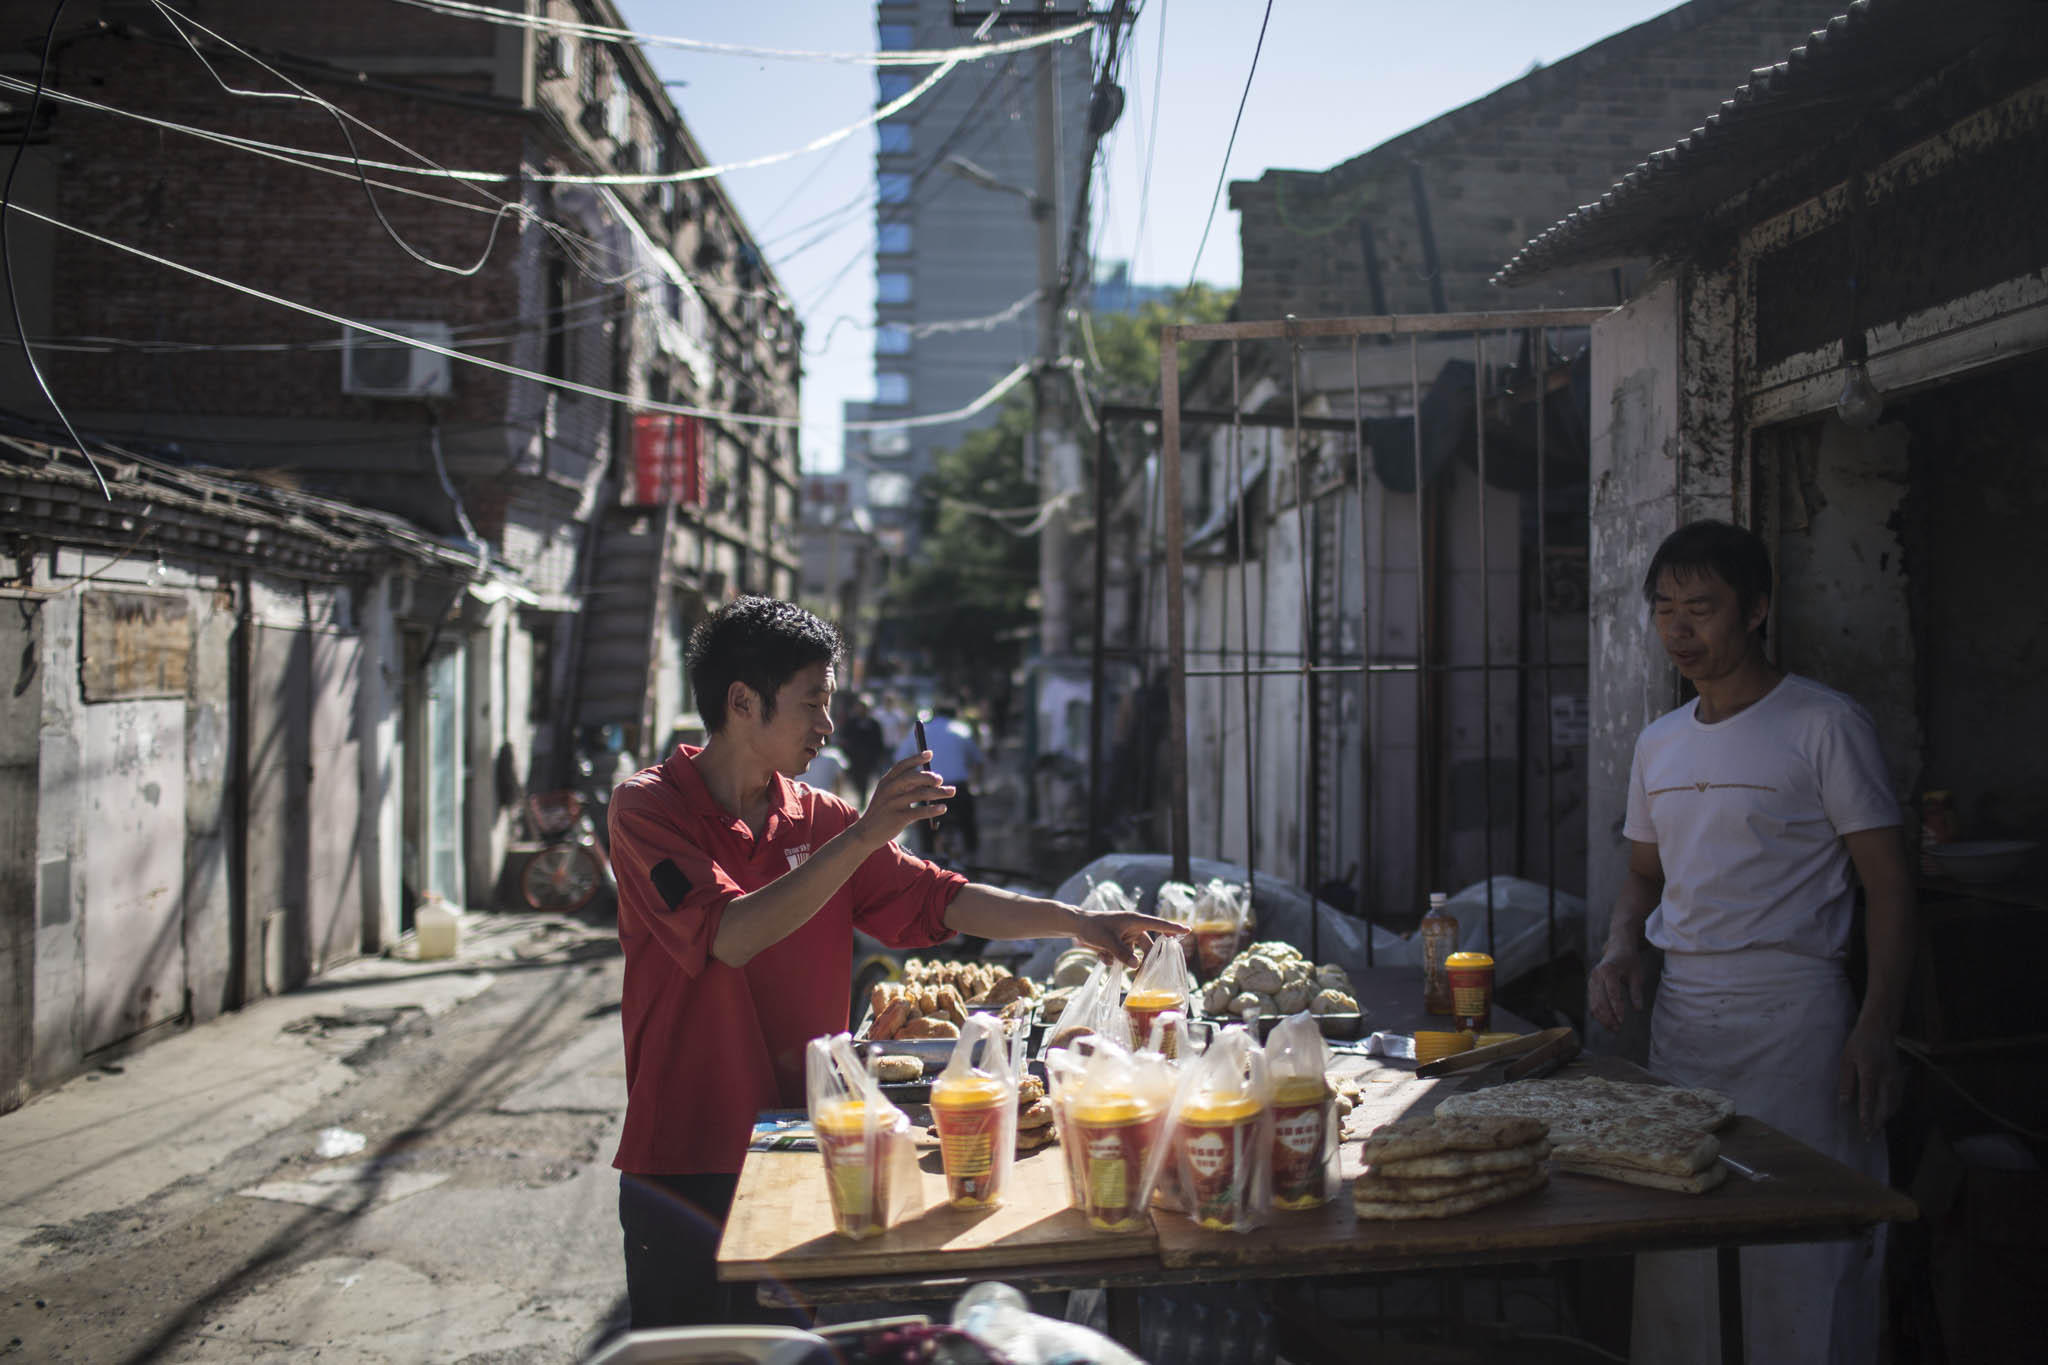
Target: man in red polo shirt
[739, 891]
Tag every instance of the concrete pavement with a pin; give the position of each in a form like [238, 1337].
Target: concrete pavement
[175, 1207]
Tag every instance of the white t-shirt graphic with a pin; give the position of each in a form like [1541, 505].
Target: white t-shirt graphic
[1748, 816]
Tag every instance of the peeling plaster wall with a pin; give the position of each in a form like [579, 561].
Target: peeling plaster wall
[1841, 615]
[1634, 471]
[21, 659]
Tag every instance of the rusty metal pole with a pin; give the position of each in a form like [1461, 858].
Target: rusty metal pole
[1176, 596]
[1244, 617]
[1365, 793]
[1485, 622]
[1425, 812]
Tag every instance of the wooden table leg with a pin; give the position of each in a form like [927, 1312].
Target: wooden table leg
[1728, 1265]
[1121, 1304]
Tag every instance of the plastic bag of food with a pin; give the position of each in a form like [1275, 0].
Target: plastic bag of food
[1176, 902]
[1116, 1103]
[1219, 924]
[866, 1142]
[1162, 984]
[1219, 1135]
[1169, 1036]
[974, 1107]
[1304, 1114]
[1095, 1008]
[1108, 897]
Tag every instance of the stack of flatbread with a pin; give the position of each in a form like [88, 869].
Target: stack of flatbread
[1437, 1168]
[1655, 1135]
[1034, 1116]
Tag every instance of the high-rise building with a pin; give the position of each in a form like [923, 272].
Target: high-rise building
[956, 233]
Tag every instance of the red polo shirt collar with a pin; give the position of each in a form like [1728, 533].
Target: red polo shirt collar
[680, 768]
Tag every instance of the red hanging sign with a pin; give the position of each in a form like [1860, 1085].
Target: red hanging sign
[668, 459]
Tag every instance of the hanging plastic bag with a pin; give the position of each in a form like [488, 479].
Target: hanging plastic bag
[974, 1106]
[1304, 1114]
[1219, 925]
[866, 1142]
[1116, 1109]
[1219, 1135]
[1162, 984]
[1096, 1008]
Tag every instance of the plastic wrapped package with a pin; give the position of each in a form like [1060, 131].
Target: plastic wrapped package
[1304, 1155]
[1219, 925]
[1219, 1135]
[1162, 984]
[974, 1107]
[865, 1141]
[1176, 901]
[1116, 1103]
[1095, 1008]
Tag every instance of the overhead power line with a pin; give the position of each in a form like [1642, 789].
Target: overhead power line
[310, 160]
[990, 396]
[607, 33]
[1224, 169]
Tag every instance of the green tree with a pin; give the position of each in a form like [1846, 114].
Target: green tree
[966, 600]
[1127, 344]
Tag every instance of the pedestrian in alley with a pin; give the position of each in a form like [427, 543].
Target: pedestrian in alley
[1748, 810]
[739, 891]
[860, 738]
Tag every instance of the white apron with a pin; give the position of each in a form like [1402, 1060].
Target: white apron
[1766, 1027]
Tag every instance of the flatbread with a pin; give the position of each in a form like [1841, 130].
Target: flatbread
[1441, 1164]
[1412, 1138]
[1697, 1183]
[1384, 1210]
[1030, 1089]
[1422, 1190]
[1647, 1127]
[1037, 1114]
[1031, 1139]
[1588, 1098]
[896, 1069]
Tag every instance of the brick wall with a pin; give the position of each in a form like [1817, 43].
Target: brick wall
[279, 228]
[1501, 169]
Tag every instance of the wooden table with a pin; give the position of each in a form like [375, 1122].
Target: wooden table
[781, 1227]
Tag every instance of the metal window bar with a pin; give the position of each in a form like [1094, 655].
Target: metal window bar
[1429, 672]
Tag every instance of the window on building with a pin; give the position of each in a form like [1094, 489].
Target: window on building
[889, 443]
[893, 138]
[893, 85]
[892, 286]
[889, 489]
[589, 76]
[892, 187]
[892, 338]
[895, 37]
[892, 387]
[893, 239]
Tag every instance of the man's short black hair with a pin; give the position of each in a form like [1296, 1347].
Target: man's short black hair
[759, 641]
[1733, 554]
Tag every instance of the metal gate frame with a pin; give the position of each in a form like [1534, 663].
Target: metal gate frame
[1292, 331]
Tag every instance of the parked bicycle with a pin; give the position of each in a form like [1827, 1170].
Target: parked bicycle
[567, 874]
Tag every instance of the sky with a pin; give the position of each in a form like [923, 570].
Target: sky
[1335, 78]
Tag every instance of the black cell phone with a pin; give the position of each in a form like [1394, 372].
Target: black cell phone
[924, 767]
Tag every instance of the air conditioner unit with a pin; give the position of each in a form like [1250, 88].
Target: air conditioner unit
[557, 56]
[372, 367]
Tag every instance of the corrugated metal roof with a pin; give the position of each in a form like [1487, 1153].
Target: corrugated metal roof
[1864, 57]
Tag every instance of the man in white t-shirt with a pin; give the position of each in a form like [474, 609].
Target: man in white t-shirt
[1748, 808]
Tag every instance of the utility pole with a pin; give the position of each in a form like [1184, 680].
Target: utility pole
[1048, 429]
